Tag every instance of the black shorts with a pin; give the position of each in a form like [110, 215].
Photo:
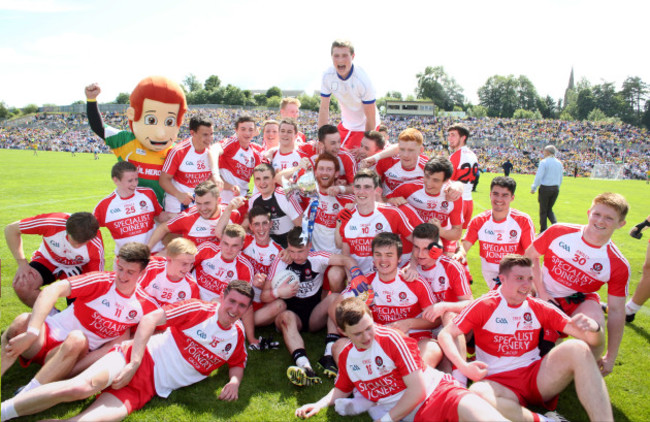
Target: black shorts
[303, 307]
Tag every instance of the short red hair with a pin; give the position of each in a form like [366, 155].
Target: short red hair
[158, 88]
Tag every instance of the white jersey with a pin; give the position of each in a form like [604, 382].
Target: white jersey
[129, 219]
[496, 239]
[188, 168]
[352, 93]
[357, 230]
[324, 234]
[236, 166]
[572, 265]
[285, 161]
[507, 337]
[213, 273]
[193, 346]
[465, 169]
[447, 279]
[100, 311]
[311, 273]
[393, 174]
[155, 283]
[378, 372]
[260, 257]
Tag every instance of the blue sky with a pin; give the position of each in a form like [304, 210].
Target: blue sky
[50, 49]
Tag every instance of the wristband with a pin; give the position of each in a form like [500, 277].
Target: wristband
[386, 418]
[34, 331]
[88, 100]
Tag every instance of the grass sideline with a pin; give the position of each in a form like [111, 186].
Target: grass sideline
[55, 181]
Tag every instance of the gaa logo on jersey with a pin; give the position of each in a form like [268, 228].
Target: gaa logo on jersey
[513, 233]
[444, 204]
[598, 267]
[181, 295]
[106, 303]
[528, 317]
[133, 314]
[230, 274]
[228, 347]
[379, 361]
[379, 226]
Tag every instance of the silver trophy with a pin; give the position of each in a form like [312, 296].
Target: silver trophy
[304, 185]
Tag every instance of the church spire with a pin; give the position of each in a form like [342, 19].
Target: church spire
[570, 87]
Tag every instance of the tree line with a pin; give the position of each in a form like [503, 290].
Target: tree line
[500, 96]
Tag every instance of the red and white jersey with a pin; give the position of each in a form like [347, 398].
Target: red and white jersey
[465, 169]
[283, 209]
[213, 273]
[507, 337]
[447, 279]
[155, 283]
[56, 252]
[187, 167]
[572, 265]
[397, 300]
[129, 219]
[196, 228]
[323, 236]
[393, 174]
[100, 311]
[358, 230]
[378, 372]
[281, 161]
[352, 93]
[347, 166]
[311, 273]
[236, 165]
[193, 345]
[496, 239]
[260, 257]
[430, 206]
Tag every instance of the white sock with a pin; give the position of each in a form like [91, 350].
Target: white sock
[303, 362]
[631, 308]
[328, 348]
[8, 411]
[32, 384]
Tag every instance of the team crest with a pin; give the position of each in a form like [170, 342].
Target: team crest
[335, 207]
[402, 295]
[598, 267]
[513, 233]
[307, 272]
[133, 314]
[230, 274]
[444, 204]
[78, 258]
[379, 226]
[528, 317]
[143, 204]
[272, 257]
[228, 347]
[379, 361]
[295, 164]
[441, 280]
[181, 295]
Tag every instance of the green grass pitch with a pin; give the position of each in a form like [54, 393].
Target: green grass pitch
[55, 181]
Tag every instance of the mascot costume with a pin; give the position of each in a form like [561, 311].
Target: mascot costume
[155, 114]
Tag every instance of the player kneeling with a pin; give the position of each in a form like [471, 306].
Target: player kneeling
[387, 370]
[138, 370]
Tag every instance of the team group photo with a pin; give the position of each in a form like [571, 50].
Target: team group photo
[344, 255]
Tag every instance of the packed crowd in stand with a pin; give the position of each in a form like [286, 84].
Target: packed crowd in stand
[582, 144]
[347, 235]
